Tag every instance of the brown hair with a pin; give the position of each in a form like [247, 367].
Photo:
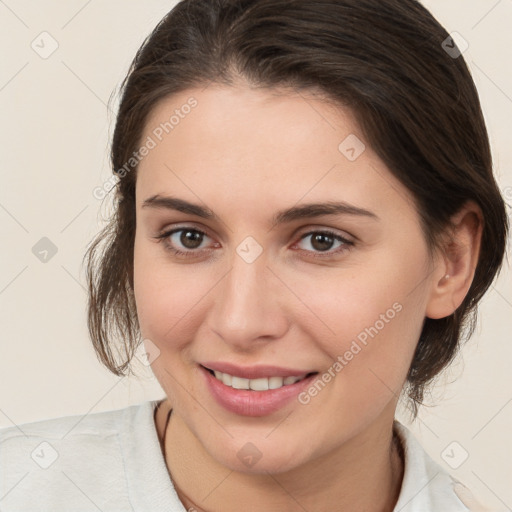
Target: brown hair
[387, 60]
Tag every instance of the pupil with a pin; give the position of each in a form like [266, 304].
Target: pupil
[191, 239]
[322, 242]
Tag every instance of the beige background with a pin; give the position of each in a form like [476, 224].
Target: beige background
[55, 131]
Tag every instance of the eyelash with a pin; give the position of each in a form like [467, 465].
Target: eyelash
[346, 246]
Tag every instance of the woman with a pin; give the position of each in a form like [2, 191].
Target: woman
[306, 219]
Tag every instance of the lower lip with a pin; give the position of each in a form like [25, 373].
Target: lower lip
[253, 403]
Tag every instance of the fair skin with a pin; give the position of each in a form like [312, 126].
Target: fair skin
[245, 155]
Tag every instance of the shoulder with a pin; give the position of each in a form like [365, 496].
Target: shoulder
[73, 428]
[68, 455]
[426, 485]
[469, 500]
[76, 430]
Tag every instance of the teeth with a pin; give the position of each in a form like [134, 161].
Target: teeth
[275, 382]
[239, 383]
[262, 384]
[259, 384]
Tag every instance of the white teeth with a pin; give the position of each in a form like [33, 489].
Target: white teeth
[275, 382]
[261, 384]
[239, 383]
[291, 380]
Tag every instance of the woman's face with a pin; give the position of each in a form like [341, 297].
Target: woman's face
[274, 287]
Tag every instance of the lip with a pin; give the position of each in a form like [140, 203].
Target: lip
[255, 372]
[254, 403]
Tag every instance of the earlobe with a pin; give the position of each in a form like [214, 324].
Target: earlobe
[456, 265]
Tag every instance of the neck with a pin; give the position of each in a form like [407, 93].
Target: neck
[363, 475]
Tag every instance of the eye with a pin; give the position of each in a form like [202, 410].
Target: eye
[189, 242]
[322, 243]
[189, 239]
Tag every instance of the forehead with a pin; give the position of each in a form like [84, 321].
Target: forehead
[250, 144]
[218, 117]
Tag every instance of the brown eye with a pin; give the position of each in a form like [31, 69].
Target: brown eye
[191, 239]
[321, 243]
[183, 241]
[322, 240]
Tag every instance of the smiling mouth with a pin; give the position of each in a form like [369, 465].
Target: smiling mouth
[260, 384]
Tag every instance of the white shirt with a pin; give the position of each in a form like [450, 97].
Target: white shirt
[112, 461]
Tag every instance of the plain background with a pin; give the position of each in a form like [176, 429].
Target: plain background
[55, 136]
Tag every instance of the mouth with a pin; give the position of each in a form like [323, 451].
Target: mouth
[259, 384]
[264, 394]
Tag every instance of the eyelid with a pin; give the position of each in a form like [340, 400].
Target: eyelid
[345, 244]
[169, 229]
[299, 233]
[166, 233]
[324, 229]
[347, 241]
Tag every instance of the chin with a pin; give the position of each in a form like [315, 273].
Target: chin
[254, 457]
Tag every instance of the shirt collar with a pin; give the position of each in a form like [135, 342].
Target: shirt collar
[426, 486]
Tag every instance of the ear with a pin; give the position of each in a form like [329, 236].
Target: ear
[456, 262]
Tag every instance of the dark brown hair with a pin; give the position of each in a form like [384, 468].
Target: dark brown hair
[387, 60]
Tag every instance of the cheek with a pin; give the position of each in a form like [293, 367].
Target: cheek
[169, 299]
[167, 308]
[341, 303]
[369, 315]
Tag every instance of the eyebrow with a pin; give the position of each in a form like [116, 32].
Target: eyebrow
[303, 211]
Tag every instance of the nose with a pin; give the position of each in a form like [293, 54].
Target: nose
[248, 306]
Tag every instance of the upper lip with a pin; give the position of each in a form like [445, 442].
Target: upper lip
[254, 372]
